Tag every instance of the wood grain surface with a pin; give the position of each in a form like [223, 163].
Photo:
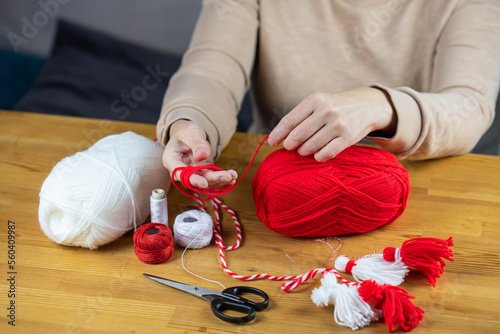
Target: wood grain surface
[60, 289]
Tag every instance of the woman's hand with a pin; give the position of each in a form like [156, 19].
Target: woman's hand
[188, 146]
[325, 124]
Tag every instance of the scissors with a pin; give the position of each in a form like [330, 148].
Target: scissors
[227, 299]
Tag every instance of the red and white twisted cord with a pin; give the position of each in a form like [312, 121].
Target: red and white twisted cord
[294, 280]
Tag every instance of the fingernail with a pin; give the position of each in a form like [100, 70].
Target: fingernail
[223, 179]
[270, 141]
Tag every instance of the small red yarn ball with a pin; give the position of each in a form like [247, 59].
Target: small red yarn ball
[359, 190]
[153, 243]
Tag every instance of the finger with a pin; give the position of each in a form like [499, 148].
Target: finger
[304, 131]
[198, 181]
[202, 152]
[233, 173]
[196, 139]
[218, 179]
[330, 150]
[317, 141]
[296, 116]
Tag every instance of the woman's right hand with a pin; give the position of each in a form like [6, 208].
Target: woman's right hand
[188, 146]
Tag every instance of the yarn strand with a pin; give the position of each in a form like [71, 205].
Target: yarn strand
[192, 273]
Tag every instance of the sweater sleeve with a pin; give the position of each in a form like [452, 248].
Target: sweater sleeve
[210, 84]
[460, 107]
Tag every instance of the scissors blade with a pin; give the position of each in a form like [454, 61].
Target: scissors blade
[192, 289]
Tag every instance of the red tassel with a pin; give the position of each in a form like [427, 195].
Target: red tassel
[426, 255]
[395, 303]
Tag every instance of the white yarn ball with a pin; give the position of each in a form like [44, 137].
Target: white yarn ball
[95, 196]
[193, 228]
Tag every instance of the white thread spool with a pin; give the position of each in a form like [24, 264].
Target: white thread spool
[159, 207]
[193, 228]
[95, 196]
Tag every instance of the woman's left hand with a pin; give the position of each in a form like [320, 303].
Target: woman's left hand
[324, 124]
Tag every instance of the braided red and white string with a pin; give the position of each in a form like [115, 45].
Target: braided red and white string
[294, 280]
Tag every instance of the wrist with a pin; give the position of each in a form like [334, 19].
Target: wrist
[388, 119]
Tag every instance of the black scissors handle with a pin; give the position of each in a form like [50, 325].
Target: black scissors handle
[232, 301]
[220, 305]
[234, 292]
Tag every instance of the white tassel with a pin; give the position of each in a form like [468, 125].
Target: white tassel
[350, 309]
[376, 268]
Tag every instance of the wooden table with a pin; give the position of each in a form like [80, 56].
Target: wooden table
[61, 289]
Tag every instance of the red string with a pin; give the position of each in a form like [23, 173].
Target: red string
[187, 171]
[334, 250]
[348, 267]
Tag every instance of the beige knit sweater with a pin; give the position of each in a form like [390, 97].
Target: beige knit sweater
[438, 60]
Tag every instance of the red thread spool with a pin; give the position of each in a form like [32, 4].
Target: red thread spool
[153, 243]
[361, 189]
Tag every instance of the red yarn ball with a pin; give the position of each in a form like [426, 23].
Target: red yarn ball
[361, 189]
[153, 243]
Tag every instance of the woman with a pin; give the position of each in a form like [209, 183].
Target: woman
[419, 78]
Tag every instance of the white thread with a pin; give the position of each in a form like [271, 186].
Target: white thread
[198, 225]
[189, 271]
[95, 196]
[193, 229]
[159, 207]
